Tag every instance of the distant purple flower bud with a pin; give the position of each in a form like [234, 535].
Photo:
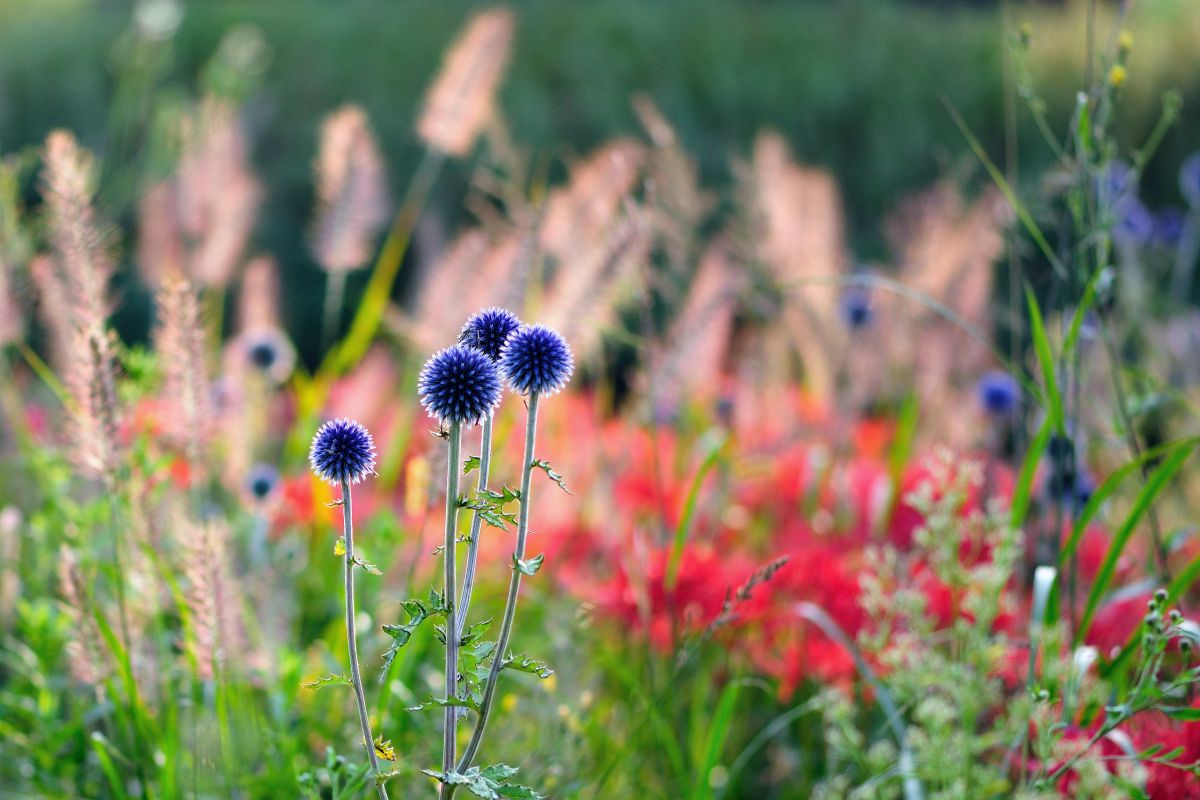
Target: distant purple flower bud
[1134, 224]
[270, 352]
[1189, 180]
[488, 330]
[262, 482]
[536, 359]
[855, 307]
[459, 385]
[342, 450]
[1168, 228]
[999, 393]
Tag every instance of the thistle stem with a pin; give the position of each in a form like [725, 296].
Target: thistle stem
[514, 587]
[450, 726]
[352, 638]
[485, 459]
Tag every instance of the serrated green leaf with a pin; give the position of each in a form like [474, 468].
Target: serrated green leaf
[367, 565]
[336, 679]
[417, 612]
[551, 474]
[470, 465]
[488, 783]
[474, 632]
[443, 702]
[524, 663]
[528, 566]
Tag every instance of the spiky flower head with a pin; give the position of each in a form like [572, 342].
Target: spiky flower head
[342, 450]
[999, 393]
[488, 330]
[536, 359]
[459, 385]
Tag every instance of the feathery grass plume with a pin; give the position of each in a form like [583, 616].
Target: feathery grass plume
[54, 309]
[694, 355]
[675, 203]
[946, 250]
[86, 654]
[14, 252]
[801, 238]
[218, 195]
[10, 551]
[258, 300]
[80, 247]
[352, 195]
[462, 98]
[180, 341]
[213, 596]
[160, 247]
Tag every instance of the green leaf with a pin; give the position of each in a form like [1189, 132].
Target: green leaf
[1023, 493]
[490, 783]
[1182, 713]
[1045, 357]
[528, 566]
[716, 444]
[417, 612]
[444, 702]
[337, 679]
[551, 474]
[367, 565]
[1154, 485]
[470, 465]
[523, 663]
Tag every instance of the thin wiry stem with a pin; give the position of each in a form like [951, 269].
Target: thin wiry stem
[485, 460]
[514, 587]
[335, 292]
[352, 638]
[449, 740]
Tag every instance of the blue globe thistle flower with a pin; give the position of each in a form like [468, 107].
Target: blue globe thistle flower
[342, 450]
[459, 385]
[488, 330]
[999, 393]
[855, 307]
[536, 359]
[1189, 179]
[262, 482]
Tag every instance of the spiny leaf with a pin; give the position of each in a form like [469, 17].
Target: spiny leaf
[443, 702]
[336, 679]
[367, 565]
[528, 566]
[470, 465]
[489, 783]
[474, 632]
[417, 612]
[551, 474]
[524, 663]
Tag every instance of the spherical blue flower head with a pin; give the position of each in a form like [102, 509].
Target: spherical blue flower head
[342, 450]
[488, 330]
[999, 393]
[855, 307]
[262, 481]
[536, 359]
[1189, 179]
[459, 385]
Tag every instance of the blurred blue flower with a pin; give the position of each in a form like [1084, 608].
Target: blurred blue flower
[1116, 183]
[1134, 224]
[488, 330]
[262, 481]
[999, 393]
[536, 359]
[1189, 179]
[459, 385]
[342, 450]
[1168, 227]
[855, 307]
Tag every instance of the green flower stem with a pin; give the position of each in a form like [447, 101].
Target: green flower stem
[352, 637]
[514, 587]
[451, 717]
[485, 459]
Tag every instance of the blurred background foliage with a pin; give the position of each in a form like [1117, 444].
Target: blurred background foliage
[859, 87]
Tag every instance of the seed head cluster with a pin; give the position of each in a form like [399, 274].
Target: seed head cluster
[536, 359]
